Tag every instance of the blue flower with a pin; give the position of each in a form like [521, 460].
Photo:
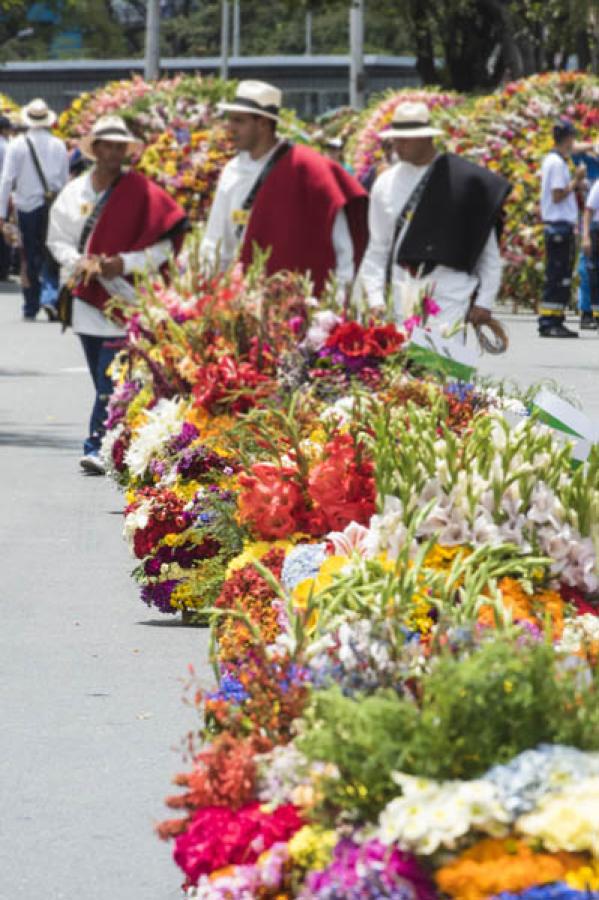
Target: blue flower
[304, 561]
[555, 891]
[231, 690]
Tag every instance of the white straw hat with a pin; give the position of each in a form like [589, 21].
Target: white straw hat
[257, 98]
[37, 114]
[410, 120]
[109, 128]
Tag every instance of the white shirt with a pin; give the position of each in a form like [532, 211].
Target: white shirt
[68, 215]
[20, 175]
[450, 288]
[3, 149]
[555, 174]
[592, 201]
[220, 239]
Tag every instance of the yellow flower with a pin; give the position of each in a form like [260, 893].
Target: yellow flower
[312, 847]
[312, 586]
[253, 552]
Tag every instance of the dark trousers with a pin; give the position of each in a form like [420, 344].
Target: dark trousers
[99, 353]
[560, 252]
[592, 262]
[4, 259]
[43, 284]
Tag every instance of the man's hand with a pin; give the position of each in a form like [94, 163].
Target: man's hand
[586, 246]
[478, 315]
[87, 269]
[111, 266]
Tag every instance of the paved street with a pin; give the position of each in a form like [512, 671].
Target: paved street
[90, 680]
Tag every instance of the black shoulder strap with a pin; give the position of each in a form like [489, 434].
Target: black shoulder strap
[92, 219]
[409, 207]
[38, 165]
[278, 154]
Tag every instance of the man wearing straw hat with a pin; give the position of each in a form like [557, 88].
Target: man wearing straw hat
[301, 207]
[105, 226]
[36, 167]
[433, 219]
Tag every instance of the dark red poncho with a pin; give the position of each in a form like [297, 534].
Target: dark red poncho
[294, 214]
[138, 215]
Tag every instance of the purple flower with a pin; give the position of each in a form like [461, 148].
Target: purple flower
[369, 871]
[159, 595]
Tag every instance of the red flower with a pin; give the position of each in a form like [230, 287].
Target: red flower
[271, 501]
[219, 837]
[342, 487]
[384, 340]
[350, 338]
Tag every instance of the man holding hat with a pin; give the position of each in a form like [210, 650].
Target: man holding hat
[433, 219]
[305, 209]
[105, 226]
[559, 212]
[36, 167]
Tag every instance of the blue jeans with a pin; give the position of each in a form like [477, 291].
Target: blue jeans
[43, 283]
[584, 290]
[99, 353]
[592, 264]
[560, 251]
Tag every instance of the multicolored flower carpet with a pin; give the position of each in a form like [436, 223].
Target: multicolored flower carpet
[399, 570]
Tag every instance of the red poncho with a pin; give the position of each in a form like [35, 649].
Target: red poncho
[295, 211]
[137, 215]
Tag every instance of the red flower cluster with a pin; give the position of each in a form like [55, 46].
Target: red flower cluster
[272, 501]
[342, 487]
[168, 517]
[219, 837]
[356, 340]
[230, 383]
[340, 490]
[222, 775]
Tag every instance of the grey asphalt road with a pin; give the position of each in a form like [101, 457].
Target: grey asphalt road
[90, 680]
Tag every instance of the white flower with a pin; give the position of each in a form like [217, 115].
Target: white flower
[164, 421]
[322, 324]
[387, 531]
[136, 519]
[485, 531]
[353, 539]
[545, 508]
[431, 814]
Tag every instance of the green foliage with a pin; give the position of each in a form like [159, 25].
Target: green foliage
[472, 712]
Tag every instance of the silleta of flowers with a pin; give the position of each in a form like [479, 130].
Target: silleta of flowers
[400, 573]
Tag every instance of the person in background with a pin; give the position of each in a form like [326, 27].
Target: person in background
[590, 248]
[588, 156]
[559, 212]
[36, 167]
[433, 223]
[302, 207]
[5, 249]
[105, 226]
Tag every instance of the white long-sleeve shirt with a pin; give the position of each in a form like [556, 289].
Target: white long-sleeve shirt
[450, 288]
[68, 215]
[20, 176]
[221, 239]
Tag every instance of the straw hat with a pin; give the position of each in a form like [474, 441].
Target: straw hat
[410, 120]
[37, 114]
[256, 98]
[109, 128]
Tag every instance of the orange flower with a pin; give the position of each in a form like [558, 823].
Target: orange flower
[493, 866]
[524, 607]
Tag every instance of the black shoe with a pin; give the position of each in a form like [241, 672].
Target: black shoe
[50, 312]
[558, 330]
[29, 318]
[588, 322]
